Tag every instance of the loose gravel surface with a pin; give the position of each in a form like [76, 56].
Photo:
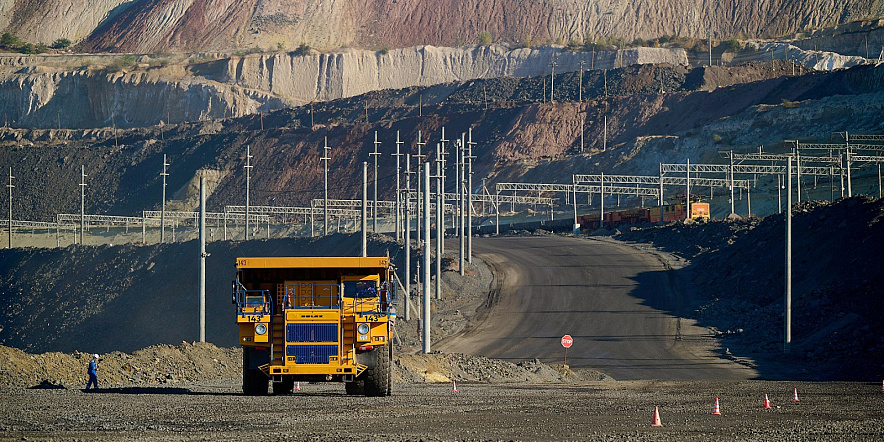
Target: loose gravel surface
[423, 411]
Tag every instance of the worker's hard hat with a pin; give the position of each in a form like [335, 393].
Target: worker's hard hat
[95, 356]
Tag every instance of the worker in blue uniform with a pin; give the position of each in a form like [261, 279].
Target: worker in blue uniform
[93, 373]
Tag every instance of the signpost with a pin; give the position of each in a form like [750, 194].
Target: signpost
[567, 341]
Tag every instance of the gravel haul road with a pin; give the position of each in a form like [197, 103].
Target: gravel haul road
[601, 294]
[617, 302]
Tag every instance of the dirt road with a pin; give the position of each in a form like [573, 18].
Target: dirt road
[593, 411]
[601, 294]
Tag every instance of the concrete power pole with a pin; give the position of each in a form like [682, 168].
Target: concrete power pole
[687, 192]
[398, 199]
[325, 159]
[731, 178]
[441, 156]
[552, 81]
[601, 201]
[788, 315]
[470, 156]
[426, 291]
[461, 202]
[418, 201]
[580, 88]
[364, 208]
[82, 204]
[10, 186]
[248, 168]
[440, 223]
[164, 174]
[203, 256]
[709, 34]
[374, 209]
[407, 237]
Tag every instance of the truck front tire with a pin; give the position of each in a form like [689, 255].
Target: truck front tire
[378, 376]
[254, 382]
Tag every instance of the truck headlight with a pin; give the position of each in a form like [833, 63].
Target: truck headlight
[260, 329]
[362, 329]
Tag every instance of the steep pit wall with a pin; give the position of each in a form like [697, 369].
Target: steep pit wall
[243, 85]
[83, 99]
[351, 73]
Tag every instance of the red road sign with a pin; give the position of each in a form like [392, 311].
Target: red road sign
[567, 340]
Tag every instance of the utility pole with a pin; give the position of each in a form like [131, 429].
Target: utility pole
[709, 33]
[605, 136]
[407, 236]
[687, 193]
[576, 224]
[426, 290]
[731, 177]
[470, 157]
[605, 77]
[10, 186]
[419, 200]
[582, 129]
[164, 174]
[461, 200]
[847, 153]
[248, 168]
[580, 88]
[458, 165]
[788, 316]
[879, 180]
[325, 159]
[601, 201]
[82, 204]
[398, 199]
[440, 222]
[203, 255]
[660, 202]
[364, 207]
[374, 209]
[552, 81]
[442, 154]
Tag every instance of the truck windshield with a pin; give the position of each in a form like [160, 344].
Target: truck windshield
[254, 300]
[360, 289]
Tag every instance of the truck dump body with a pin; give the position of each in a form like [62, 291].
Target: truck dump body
[315, 319]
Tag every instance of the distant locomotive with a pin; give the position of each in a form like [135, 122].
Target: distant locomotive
[659, 214]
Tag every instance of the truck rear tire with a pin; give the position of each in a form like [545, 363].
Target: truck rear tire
[377, 375]
[254, 382]
[284, 387]
[357, 387]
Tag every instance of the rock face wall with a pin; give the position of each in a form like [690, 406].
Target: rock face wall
[243, 85]
[346, 74]
[82, 100]
[43, 96]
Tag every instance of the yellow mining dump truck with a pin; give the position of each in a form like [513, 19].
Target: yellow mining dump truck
[315, 320]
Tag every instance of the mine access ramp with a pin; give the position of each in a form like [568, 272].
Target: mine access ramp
[326, 319]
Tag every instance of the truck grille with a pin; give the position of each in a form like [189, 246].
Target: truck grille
[311, 354]
[311, 333]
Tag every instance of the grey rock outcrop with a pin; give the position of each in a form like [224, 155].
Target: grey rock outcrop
[243, 85]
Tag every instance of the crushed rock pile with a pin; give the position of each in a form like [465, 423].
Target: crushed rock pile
[194, 362]
[738, 272]
[155, 365]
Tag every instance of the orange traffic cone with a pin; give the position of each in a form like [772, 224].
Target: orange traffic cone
[655, 422]
[454, 386]
[766, 401]
[715, 408]
[298, 386]
[795, 396]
